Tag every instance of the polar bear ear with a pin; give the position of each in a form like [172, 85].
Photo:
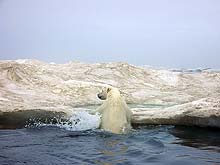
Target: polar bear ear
[108, 90]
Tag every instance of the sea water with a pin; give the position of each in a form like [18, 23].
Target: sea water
[78, 141]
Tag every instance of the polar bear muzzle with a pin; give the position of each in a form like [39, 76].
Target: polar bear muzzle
[101, 96]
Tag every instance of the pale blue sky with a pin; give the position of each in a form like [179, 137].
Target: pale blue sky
[160, 33]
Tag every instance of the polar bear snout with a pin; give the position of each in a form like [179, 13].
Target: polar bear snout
[100, 96]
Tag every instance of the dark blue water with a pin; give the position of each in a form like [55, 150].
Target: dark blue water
[144, 145]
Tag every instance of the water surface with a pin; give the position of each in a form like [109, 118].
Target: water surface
[144, 145]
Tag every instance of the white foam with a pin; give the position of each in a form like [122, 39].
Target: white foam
[79, 121]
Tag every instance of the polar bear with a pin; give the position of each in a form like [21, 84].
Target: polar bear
[115, 114]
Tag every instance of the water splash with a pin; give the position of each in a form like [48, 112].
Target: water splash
[78, 121]
[82, 120]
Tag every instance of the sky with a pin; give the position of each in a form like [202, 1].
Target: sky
[158, 33]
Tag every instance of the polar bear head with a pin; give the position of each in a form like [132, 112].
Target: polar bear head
[108, 92]
[103, 94]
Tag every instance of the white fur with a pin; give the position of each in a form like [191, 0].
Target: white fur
[115, 114]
